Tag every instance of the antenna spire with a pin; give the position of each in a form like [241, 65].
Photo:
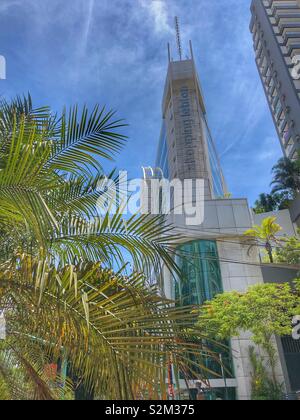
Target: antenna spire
[178, 37]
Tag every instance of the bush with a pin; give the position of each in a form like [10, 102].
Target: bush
[263, 388]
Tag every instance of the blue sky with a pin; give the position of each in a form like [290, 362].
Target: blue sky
[114, 52]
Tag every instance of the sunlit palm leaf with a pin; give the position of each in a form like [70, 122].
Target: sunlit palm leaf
[84, 138]
[120, 333]
[60, 247]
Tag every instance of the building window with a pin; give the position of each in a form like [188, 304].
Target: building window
[201, 275]
[289, 147]
[201, 281]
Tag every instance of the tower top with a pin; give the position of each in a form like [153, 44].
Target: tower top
[179, 43]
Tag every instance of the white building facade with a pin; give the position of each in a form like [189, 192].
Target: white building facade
[275, 26]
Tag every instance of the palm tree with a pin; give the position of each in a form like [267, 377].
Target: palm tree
[272, 202]
[265, 203]
[286, 176]
[66, 291]
[266, 233]
[116, 334]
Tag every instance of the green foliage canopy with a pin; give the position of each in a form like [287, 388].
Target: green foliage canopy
[264, 310]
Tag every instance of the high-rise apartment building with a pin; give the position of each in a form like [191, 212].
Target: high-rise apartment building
[275, 26]
[213, 255]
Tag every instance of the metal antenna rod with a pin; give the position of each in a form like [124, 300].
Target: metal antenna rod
[169, 53]
[178, 37]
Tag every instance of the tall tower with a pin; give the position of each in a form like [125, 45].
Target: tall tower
[186, 148]
[212, 254]
[275, 26]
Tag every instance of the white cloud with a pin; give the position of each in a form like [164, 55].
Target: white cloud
[7, 4]
[158, 11]
[88, 23]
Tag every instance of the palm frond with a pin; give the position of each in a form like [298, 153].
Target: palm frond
[112, 329]
[147, 240]
[83, 138]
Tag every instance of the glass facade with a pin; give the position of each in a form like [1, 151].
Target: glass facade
[163, 163]
[162, 155]
[201, 281]
[217, 177]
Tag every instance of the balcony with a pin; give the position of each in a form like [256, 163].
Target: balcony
[282, 17]
[293, 46]
[286, 27]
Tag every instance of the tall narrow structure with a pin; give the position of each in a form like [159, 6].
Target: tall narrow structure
[213, 255]
[186, 148]
[275, 26]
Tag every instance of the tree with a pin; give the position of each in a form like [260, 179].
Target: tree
[266, 233]
[264, 310]
[66, 291]
[286, 176]
[271, 202]
[263, 387]
[289, 250]
[265, 203]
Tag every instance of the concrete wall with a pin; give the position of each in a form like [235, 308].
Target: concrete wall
[273, 273]
[295, 210]
[283, 219]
